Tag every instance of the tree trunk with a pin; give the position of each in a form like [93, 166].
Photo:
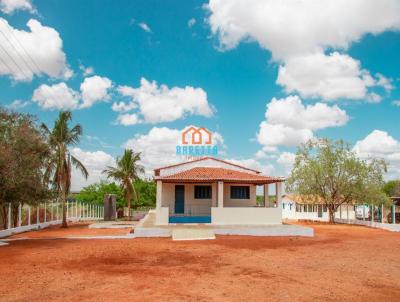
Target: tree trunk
[128, 197]
[64, 210]
[331, 215]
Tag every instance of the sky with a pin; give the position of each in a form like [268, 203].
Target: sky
[263, 76]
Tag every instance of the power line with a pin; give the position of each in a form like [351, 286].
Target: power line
[12, 59]
[23, 48]
[6, 64]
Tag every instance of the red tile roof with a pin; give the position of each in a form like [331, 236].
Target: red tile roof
[207, 174]
[205, 158]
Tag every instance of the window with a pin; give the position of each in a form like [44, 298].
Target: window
[202, 192]
[239, 192]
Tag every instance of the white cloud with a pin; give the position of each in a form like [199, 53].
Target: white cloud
[289, 122]
[158, 147]
[155, 104]
[35, 52]
[10, 6]
[300, 32]
[379, 144]
[286, 160]
[331, 77]
[396, 103]
[251, 163]
[17, 104]
[145, 27]
[94, 89]
[127, 119]
[191, 22]
[87, 71]
[58, 96]
[95, 162]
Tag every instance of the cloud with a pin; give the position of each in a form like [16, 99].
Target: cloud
[35, 52]
[300, 33]
[58, 96]
[396, 103]
[127, 119]
[61, 97]
[94, 89]
[95, 162]
[331, 77]
[10, 6]
[379, 144]
[145, 27]
[286, 160]
[251, 163]
[155, 104]
[191, 22]
[289, 122]
[17, 104]
[158, 147]
[87, 71]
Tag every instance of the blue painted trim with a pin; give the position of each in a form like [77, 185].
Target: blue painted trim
[190, 219]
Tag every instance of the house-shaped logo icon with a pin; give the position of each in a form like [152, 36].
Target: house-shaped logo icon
[196, 136]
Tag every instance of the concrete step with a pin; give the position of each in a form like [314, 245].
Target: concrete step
[192, 234]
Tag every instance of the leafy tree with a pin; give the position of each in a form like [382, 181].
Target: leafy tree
[392, 188]
[59, 165]
[126, 172]
[23, 154]
[330, 171]
[146, 190]
[95, 193]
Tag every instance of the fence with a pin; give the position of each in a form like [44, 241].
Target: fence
[46, 214]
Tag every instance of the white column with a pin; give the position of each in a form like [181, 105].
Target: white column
[347, 210]
[159, 195]
[363, 211]
[372, 213]
[220, 194]
[9, 215]
[29, 215]
[393, 214]
[19, 214]
[266, 195]
[278, 188]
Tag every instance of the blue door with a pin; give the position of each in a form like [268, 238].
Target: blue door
[179, 199]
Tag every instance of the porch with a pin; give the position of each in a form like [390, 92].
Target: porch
[217, 203]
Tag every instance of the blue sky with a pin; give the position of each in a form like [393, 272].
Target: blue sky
[334, 75]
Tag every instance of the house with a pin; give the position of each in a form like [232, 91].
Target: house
[298, 207]
[211, 190]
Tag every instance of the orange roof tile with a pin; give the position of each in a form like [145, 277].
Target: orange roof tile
[207, 174]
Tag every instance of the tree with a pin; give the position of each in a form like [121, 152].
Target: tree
[95, 193]
[126, 172]
[23, 154]
[392, 188]
[331, 171]
[59, 165]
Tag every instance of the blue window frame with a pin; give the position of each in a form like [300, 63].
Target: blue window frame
[240, 192]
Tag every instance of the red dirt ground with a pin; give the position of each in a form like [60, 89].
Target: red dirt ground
[341, 263]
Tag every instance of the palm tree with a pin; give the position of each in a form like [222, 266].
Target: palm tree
[126, 172]
[60, 162]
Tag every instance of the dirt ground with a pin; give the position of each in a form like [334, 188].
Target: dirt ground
[341, 263]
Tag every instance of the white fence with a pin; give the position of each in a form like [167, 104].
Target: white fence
[46, 214]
